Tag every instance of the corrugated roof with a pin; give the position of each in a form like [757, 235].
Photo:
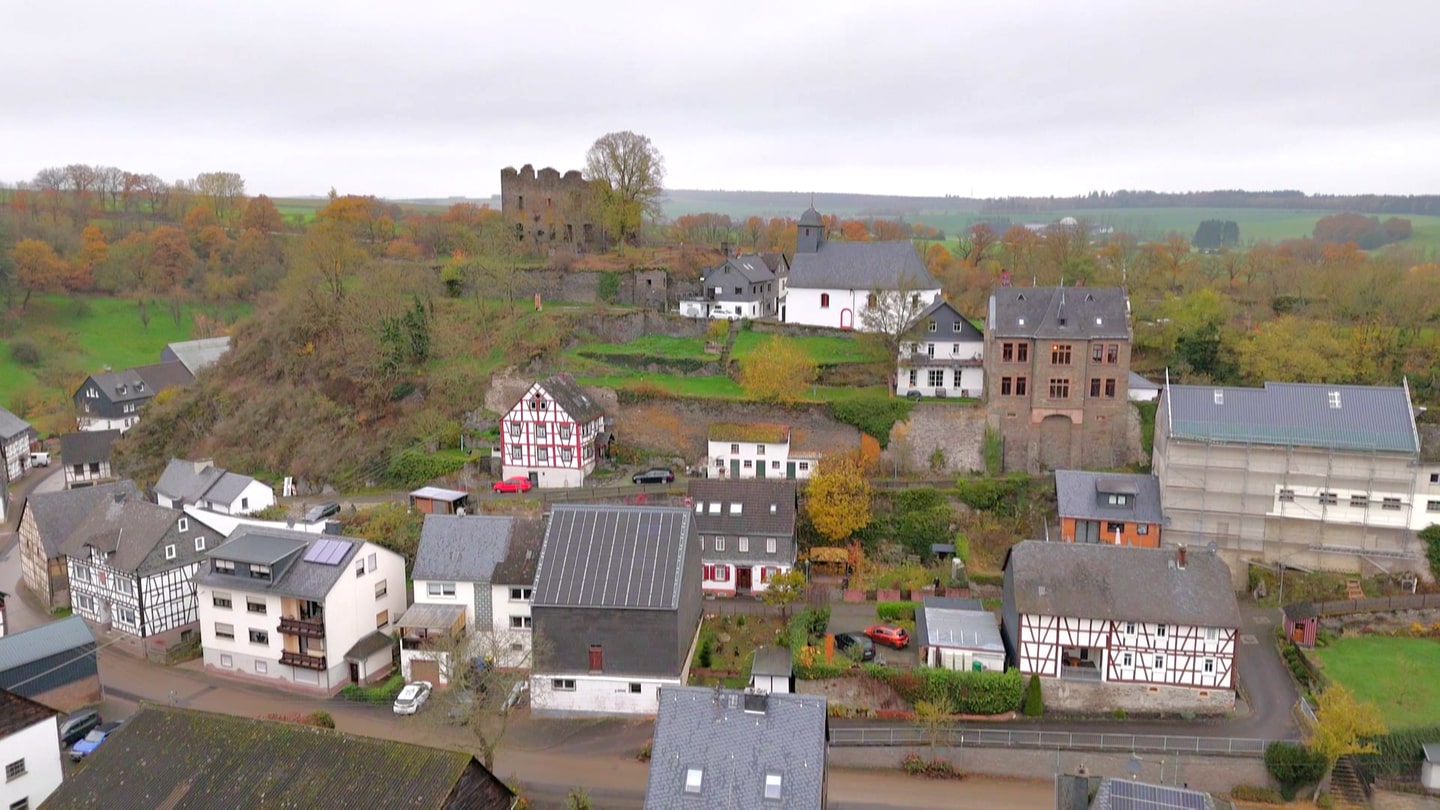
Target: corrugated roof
[88, 446]
[1123, 794]
[959, 624]
[426, 615]
[1121, 583]
[1336, 417]
[57, 514]
[462, 548]
[28, 646]
[861, 266]
[615, 557]
[735, 749]
[12, 425]
[439, 494]
[1060, 313]
[183, 759]
[1079, 495]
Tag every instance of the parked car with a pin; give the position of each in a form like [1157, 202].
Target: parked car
[412, 697]
[460, 709]
[518, 483]
[657, 475]
[324, 510]
[889, 635]
[91, 741]
[38, 459]
[76, 726]
[847, 641]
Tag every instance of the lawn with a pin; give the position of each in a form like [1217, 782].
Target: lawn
[1400, 675]
[719, 387]
[676, 348]
[824, 350]
[727, 645]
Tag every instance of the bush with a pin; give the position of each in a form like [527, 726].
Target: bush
[997, 580]
[969, 692]
[916, 765]
[1253, 793]
[413, 467]
[645, 750]
[1294, 766]
[608, 290]
[1399, 752]
[896, 611]
[1293, 658]
[321, 719]
[1034, 699]
[1004, 496]
[875, 415]
[705, 656]
[24, 351]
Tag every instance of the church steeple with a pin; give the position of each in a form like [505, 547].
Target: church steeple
[811, 233]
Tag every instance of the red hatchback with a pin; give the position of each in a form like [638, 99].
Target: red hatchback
[889, 635]
[517, 484]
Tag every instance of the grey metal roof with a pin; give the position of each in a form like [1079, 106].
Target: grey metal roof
[439, 494]
[861, 266]
[28, 646]
[258, 546]
[1123, 794]
[756, 520]
[811, 217]
[945, 315]
[772, 661]
[463, 548]
[521, 559]
[1293, 414]
[1138, 383]
[130, 530]
[369, 645]
[1432, 752]
[197, 354]
[571, 396]
[1121, 583]
[957, 623]
[629, 557]
[88, 446]
[423, 614]
[12, 425]
[291, 574]
[1064, 313]
[1077, 496]
[736, 749]
[57, 514]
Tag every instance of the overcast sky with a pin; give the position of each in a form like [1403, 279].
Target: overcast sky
[428, 98]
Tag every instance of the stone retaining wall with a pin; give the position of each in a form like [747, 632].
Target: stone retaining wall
[1091, 698]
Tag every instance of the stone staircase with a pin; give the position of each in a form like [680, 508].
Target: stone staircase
[1347, 786]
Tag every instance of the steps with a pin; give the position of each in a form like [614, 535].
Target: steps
[1346, 785]
[1352, 590]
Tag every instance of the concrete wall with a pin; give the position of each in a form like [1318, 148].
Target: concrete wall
[1084, 696]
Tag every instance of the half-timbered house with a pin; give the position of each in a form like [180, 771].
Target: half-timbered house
[132, 565]
[15, 438]
[1120, 627]
[46, 521]
[552, 435]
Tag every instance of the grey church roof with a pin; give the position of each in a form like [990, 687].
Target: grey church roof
[1062, 313]
[1077, 496]
[12, 425]
[1120, 583]
[1294, 414]
[461, 548]
[861, 266]
[57, 514]
[628, 557]
[736, 741]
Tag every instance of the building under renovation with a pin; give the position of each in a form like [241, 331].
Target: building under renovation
[1308, 476]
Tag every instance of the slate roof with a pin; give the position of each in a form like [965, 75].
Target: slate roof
[212, 760]
[709, 729]
[627, 557]
[811, 217]
[518, 567]
[744, 271]
[957, 623]
[12, 425]
[18, 713]
[131, 529]
[756, 521]
[570, 396]
[1063, 313]
[164, 375]
[861, 266]
[88, 446]
[1138, 383]
[57, 514]
[283, 551]
[53, 638]
[461, 548]
[1077, 496]
[1293, 414]
[181, 480]
[946, 314]
[1123, 794]
[155, 378]
[1120, 583]
[197, 354]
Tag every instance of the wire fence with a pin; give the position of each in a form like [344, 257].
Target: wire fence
[1049, 740]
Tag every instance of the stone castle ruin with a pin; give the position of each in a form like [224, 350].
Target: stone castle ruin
[549, 209]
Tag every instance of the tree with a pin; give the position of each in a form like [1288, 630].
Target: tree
[777, 371]
[837, 498]
[222, 193]
[891, 316]
[1293, 766]
[93, 253]
[784, 588]
[37, 268]
[1298, 350]
[170, 261]
[629, 173]
[1343, 726]
[983, 239]
[262, 215]
[932, 715]
[482, 670]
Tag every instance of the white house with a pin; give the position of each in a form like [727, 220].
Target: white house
[755, 450]
[303, 611]
[1122, 627]
[112, 400]
[747, 533]
[215, 490]
[833, 283]
[1142, 390]
[741, 287]
[553, 434]
[15, 437]
[132, 566]
[30, 749]
[958, 634]
[942, 356]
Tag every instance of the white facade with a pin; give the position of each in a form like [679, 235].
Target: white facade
[964, 660]
[511, 637]
[740, 459]
[227, 524]
[933, 366]
[35, 752]
[837, 308]
[500, 626]
[1127, 652]
[240, 627]
[254, 497]
[720, 310]
[17, 456]
[597, 694]
[540, 439]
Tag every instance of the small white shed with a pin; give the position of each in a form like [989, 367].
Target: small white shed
[770, 671]
[1430, 769]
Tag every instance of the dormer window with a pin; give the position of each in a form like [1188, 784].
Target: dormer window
[224, 567]
[140, 386]
[259, 571]
[773, 507]
[120, 389]
[183, 525]
[714, 507]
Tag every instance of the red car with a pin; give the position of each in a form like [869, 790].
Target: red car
[517, 484]
[889, 635]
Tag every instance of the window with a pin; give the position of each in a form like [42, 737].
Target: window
[1159, 662]
[253, 605]
[360, 568]
[914, 376]
[1160, 630]
[1211, 634]
[226, 661]
[124, 585]
[749, 463]
[769, 545]
[382, 588]
[1287, 496]
[1005, 386]
[125, 615]
[199, 544]
[520, 622]
[955, 327]
[774, 465]
[1142, 529]
[937, 377]
[520, 594]
[1097, 353]
[714, 507]
[1129, 628]
[516, 452]
[258, 571]
[541, 433]
[382, 619]
[262, 667]
[1095, 386]
[566, 455]
[170, 551]
[1022, 352]
[259, 637]
[634, 688]
[1127, 660]
[542, 455]
[1359, 501]
[562, 684]
[446, 589]
[1059, 354]
[224, 567]
[1432, 506]
[1328, 499]
[1110, 388]
[759, 449]
[370, 563]
[744, 544]
[1392, 504]
[244, 503]
[804, 466]
[1335, 399]
[1219, 397]
[221, 600]
[824, 300]
[931, 327]
[772, 787]
[564, 432]
[1118, 500]
[514, 430]
[1435, 478]
[719, 544]
[1059, 388]
[15, 770]
[734, 449]
[1007, 351]
[1020, 386]
[1114, 528]
[1112, 353]
[597, 658]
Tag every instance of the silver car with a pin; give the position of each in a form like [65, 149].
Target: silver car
[412, 697]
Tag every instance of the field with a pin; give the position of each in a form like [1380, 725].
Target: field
[1400, 675]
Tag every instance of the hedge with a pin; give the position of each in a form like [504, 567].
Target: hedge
[874, 415]
[896, 611]
[1034, 698]
[1294, 766]
[1399, 752]
[969, 692]
[1260, 795]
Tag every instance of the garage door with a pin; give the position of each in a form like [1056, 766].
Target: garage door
[423, 670]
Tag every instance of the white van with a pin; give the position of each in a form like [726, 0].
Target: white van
[39, 459]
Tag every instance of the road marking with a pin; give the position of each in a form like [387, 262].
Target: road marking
[1249, 639]
[1261, 620]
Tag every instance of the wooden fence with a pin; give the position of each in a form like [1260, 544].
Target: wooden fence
[1380, 604]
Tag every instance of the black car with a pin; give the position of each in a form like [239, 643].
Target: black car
[658, 475]
[76, 726]
[845, 641]
[322, 511]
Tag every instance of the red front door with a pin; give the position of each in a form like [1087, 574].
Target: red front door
[742, 578]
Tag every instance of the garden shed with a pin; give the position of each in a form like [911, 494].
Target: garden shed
[830, 560]
[1302, 621]
[1430, 768]
[438, 501]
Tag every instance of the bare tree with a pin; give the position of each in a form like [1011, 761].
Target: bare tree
[486, 675]
[891, 317]
[629, 173]
[223, 191]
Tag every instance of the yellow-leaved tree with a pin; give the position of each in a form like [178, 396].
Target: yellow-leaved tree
[837, 498]
[777, 371]
[1344, 725]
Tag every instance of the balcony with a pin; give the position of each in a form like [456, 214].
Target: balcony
[303, 660]
[961, 359]
[306, 628]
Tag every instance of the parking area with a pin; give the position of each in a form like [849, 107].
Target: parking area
[846, 617]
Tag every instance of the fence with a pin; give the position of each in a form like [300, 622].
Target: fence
[1409, 601]
[1049, 740]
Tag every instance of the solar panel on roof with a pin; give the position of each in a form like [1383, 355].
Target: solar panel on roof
[327, 551]
[316, 552]
[338, 550]
[1126, 795]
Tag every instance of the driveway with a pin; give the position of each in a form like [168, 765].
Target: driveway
[850, 617]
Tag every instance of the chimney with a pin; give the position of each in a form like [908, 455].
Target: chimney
[1180, 557]
[725, 249]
